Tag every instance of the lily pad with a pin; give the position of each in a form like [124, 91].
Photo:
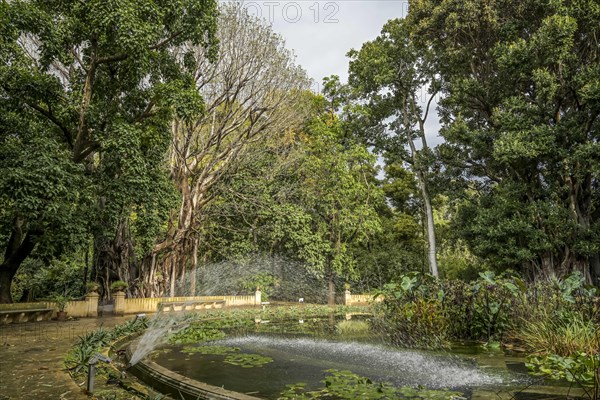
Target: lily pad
[247, 360]
[209, 350]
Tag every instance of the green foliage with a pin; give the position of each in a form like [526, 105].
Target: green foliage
[88, 92]
[390, 77]
[91, 287]
[196, 333]
[581, 368]
[77, 359]
[520, 121]
[492, 302]
[338, 193]
[562, 333]
[399, 247]
[209, 350]
[560, 326]
[349, 386]
[310, 197]
[264, 281]
[61, 302]
[558, 317]
[42, 186]
[42, 280]
[412, 313]
[118, 286]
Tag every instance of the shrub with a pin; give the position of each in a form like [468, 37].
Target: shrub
[118, 286]
[77, 358]
[61, 302]
[264, 281]
[412, 313]
[492, 302]
[92, 287]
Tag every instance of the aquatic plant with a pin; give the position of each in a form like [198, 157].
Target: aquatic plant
[580, 368]
[412, 313]
[352, 327]
[247, 360]
[346, 385]
[196, 334]
[210, 350]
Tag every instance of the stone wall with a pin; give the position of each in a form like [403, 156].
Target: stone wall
[149, 305]
[89, 306]
[122, 305]
[350, 298]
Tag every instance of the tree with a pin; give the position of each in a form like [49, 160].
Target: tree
[399, 246]
[520, 113]
[44, 196]
[258, 208]
[309, 196]
[341, 195]
[99, 76]
[252, 90]
[389, 75]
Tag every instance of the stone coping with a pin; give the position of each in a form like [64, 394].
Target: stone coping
[167, 381]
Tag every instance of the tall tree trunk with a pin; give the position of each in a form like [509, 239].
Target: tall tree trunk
[20, 245]
[431, 242]
[330, 290]
[194, 267]
[7, 273]
[421, 172]
[595, 269]
[115, 260]
[173, 265]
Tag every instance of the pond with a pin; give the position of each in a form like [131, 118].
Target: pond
[262, 360]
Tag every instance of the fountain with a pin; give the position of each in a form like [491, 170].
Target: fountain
[293, 281]
[268, 354]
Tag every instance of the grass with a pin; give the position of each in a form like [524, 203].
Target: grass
[350, 327]
[564, 336]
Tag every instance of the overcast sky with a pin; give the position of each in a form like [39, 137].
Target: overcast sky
[322, 32]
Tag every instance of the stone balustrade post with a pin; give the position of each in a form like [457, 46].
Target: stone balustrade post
[119, 303]
[347, 297]
[92, 304]
[257, 297]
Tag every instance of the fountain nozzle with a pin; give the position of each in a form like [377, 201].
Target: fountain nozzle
[99, 357]
[95, 359]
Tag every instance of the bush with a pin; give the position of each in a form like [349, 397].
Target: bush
[412, 313]
[87, 345]
[558, 322]
[92, 287]
[560, 316]
[118, 286]
[61, 302]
